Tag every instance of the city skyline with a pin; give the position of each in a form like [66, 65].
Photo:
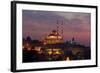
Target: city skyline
[38, 24]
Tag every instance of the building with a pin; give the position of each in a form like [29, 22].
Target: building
[53, 38]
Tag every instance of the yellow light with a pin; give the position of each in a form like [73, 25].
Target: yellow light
[49, 52]
[57, 52]
[44, 43]
[38, 49]
[51, 37]
[67, 59]
[28, 48]
[59, 37]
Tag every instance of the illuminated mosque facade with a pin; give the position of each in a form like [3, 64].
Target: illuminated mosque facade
[53, 38]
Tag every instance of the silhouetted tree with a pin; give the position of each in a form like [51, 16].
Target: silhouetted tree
[29, 39]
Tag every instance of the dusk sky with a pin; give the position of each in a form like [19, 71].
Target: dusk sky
[38, 24]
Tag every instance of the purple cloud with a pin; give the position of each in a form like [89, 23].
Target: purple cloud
[38, 24]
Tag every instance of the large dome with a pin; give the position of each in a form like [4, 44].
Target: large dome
[53, 38]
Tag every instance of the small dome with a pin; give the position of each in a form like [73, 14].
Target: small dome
[54, 35]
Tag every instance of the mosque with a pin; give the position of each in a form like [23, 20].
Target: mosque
[54, 44]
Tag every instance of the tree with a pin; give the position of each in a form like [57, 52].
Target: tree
[28, 39]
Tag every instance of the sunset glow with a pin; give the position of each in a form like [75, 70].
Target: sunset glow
[37, 24]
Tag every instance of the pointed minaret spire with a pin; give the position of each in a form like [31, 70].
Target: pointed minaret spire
[62, 29]
[57, 21]
[57, 28]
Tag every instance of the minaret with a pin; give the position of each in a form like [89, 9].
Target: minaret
[62, 29]
[57, 29]
[73, 39]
